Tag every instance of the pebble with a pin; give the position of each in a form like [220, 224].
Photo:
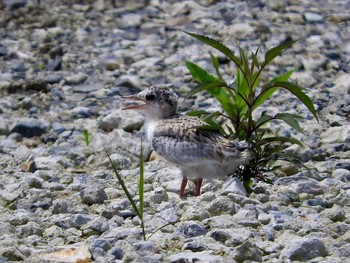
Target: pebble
[305, 249]
[190, 229]
[313, 17]
[30, 127]
[76, 79]
[91, 195]
[52, 79]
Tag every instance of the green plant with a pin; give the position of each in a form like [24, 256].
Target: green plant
[138, 209]
[241, 98]
[86, 137]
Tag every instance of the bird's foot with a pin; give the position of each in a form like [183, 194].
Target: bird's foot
[183, 187]
[198, 182]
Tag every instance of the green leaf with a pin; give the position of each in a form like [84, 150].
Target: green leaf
[212, 115]
[209, 86]
[141, 183]
[245, 65]
[263, 120]
[267, 92]
[230, 130]
[242, 92]
[217, 45]
[197, 113]
[296, 90]
[276, 51]
[199, 74]
[212, 126]
[291, 120]
[86, 137]
[255, 60]
[279, 139]
[216, 65]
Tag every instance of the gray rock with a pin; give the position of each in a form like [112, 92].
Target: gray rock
[79, 220]
[159, 195]
[29, 229]
[343, 251]
[129, 20]
[87, 88]
[79, 182]
[304, 249]
[231, 237]
[129, 121]
[54, 64]
[234, 186]
[4, 126]
[309, 186]
[194, 257]
[116, 252]
[264, 218]
[336, 214]
[242, 200]
[101, 243]
[195, 246]
[92, 195]
[59, 207]
[22, 153]
[342, 84]
[52, 79]
[247, 217]
[342, 175]
[197, 212]
[335, 135]
[313, 17]
[51, 163]
[98, 225]
[248, 251]
[190, 229]
[221, 205]
[276, 5]
[30, 127]
[76, 79]
[302, 153]
[3, 51]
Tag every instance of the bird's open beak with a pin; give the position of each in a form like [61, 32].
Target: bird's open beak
[134, 106]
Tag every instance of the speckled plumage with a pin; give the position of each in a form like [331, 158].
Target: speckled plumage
[199, 153]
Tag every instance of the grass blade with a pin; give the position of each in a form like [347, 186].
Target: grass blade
[122, 184]
[86, 137]
[141, 183]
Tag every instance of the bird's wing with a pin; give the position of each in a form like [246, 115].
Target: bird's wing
[180, 141]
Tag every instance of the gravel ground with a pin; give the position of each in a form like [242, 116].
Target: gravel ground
[64, 67]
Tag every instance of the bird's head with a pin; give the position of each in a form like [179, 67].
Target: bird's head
[157, 102]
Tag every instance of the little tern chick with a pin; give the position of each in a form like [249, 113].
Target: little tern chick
[199, 153]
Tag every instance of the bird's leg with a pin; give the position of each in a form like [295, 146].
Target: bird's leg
[198, 183]
[183, 186]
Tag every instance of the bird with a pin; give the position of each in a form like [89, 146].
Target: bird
[199, 153]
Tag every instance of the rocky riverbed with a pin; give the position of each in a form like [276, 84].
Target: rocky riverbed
[64, 66]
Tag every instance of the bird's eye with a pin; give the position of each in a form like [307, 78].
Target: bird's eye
[150, 97]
